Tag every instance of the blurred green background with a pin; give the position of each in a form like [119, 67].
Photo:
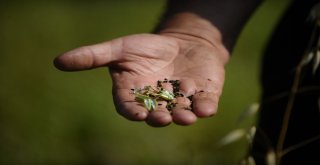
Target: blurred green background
[52, 117]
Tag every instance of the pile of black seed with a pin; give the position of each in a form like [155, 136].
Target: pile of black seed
[176, 92]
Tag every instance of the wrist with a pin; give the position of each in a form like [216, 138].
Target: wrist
[191, 27]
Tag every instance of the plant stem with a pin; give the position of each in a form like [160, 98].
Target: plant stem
[296, 146]
[291, 99]
[286, 118]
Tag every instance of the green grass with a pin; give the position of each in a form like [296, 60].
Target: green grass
[52, 117]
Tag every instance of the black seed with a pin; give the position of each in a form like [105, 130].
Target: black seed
[159, 83]
[170, 106]
[190, 97]
[187, 108]
[132, 89]
[178, 94]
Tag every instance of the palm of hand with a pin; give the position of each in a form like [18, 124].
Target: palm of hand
[140, 60]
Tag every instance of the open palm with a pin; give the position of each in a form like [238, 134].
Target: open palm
[139, 60]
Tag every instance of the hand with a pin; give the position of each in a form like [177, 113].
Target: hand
[139, 60]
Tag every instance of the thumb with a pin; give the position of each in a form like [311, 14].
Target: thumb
[89, 57]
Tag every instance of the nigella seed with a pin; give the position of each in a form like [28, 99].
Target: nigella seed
[187, 108]
[171, 106]
[178, 94]
[190, 97]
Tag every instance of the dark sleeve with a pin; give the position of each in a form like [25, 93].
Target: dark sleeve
[229, 16]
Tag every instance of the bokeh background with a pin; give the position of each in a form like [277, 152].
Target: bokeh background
[52, 117]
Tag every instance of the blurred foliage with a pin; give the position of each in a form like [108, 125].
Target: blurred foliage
[52, 117]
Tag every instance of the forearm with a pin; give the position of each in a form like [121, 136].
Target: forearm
[212, 20]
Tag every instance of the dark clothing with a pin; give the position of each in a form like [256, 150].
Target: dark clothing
[287, 46]
[229, 16]
[283, 54]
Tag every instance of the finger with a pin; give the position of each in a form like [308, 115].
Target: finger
[127, 106]
[159, 118]
[132, 111]
[187, 87]
[89, 57]
[181, 114]
[183, 117]
[162, 104]
[205, 104]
